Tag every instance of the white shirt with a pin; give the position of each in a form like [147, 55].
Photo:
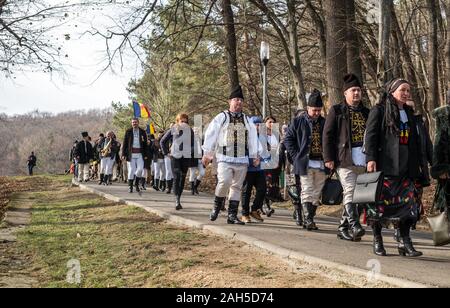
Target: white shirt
[359, 158]
[136, 143]
[216, 134]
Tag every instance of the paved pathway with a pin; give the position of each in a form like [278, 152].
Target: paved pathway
[281, 236]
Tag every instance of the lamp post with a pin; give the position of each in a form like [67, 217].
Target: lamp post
[265, 56]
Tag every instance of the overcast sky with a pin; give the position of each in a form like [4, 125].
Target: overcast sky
[53, 93]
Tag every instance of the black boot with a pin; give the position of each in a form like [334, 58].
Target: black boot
[298, 215]
[108, 179]
[130, 186]
[405, 247]
[156, 185]
[169, 187]
[233, 214]
[353, 220]
[343, 233]
[308, 212]
[136, 184]
[163, 185]
[197, 184]
[218, 202]
[192, 188]
[378, 246]
[143, 183]
[178, 203]
[102, 176]
[105, 179]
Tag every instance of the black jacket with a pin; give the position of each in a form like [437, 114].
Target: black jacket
[337, 139]
[441, 155]
[83, 156]
[128, 143]
[426, 151]
[383, 147]
[298, 142]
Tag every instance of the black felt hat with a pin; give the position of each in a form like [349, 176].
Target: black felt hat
[315, 99]
[237, 93]
[350, 81]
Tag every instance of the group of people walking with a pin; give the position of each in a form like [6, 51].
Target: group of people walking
[248, 153]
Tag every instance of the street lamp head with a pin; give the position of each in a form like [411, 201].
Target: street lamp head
[265, 52]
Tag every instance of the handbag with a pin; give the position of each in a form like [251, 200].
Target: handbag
[439, 223]
[332, 192]
[368, 188]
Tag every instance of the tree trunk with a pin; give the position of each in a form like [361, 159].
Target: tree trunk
[384, 67]
[433, 93]
[230, 43]
[295, 52]
[354, 64]
[336, 50]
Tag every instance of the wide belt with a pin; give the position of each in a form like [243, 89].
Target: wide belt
[136, 150]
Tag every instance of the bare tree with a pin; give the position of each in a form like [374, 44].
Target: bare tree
[384, 70]
[433, 93]
[230, 43]
[336, 29]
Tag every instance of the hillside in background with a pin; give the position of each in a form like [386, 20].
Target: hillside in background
[49, 136]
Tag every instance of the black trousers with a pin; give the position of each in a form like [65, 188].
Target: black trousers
[30, 169]
[180, 168]
[257, 180]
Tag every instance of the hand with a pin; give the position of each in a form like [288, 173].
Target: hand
[206, 161]
[123, 158]
[256, 162]
[330, 165]
[372, 166]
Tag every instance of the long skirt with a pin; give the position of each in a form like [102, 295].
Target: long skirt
[398, 203]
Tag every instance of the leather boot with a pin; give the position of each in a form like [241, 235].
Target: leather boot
[102, 177]
[136, 184]
[197, 184]
[192, 188]
[378, 245]
[308, 213]
[130, 186]
[143, 183]
[163, 185]
[406, 248]
[353, 220]
[156, 185]
[218, 202]
[298, 215]
[343, 233]
[233, 214]
[178, 203]
[169, 187]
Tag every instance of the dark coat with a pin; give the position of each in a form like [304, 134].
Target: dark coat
[441, 155]
[115, 148]
[128, 144]
[337, 139]
[383, 147]
[83, 156]
[426, 151]
[298, 142]
[32, 160]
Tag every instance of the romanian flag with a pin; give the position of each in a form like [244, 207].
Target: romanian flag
[150, 129]
[140, 110]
